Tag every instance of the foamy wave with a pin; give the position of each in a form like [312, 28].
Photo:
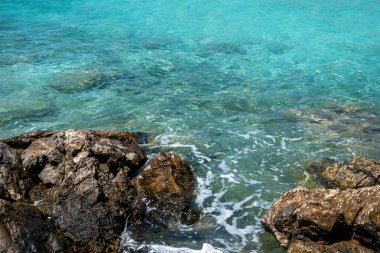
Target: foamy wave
[206, 248]
[164, 141]
[156, 248]
[219, 214]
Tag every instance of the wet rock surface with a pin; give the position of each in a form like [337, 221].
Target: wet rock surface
[166, 183]
[326, 217]
[87, 184]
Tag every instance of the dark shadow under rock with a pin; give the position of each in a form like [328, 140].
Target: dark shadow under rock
[24, 228]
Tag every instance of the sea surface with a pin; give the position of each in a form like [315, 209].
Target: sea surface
[249, 92]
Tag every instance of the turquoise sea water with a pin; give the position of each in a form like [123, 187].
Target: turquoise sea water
[249, 92]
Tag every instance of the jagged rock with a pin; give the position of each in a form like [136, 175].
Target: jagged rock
[167, 183]
[82, 181]
[360, 172]
[313, 247]
[24, 228]
[14, 181]
[79, 179]
[326, 216]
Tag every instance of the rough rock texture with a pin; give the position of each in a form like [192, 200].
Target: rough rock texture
[326, 216]
[167, 183]
[340, 247]
[359, 172]
[83, 182]
[24, 228]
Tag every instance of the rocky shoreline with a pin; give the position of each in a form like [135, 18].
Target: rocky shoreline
[343, 219]
[76, 190]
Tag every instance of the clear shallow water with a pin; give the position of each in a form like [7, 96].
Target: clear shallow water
[250, 92]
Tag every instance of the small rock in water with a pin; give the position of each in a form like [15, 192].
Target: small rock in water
[277, 48]
[26, 114]
[81, 80]
[152, 45]
[223, 47]
[167, 183]
[159, 68]
[76, 81]
[371, 129]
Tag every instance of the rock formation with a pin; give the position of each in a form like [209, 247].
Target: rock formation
[165, 183]
[331, 220]
[84, 185]
[24, 228]
[359, 172]
[313, 247]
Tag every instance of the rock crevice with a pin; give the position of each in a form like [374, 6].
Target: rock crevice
[345, 219]
[84, 184]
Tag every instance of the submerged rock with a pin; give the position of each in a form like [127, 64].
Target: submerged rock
[27, 114]
[326, 217]
[81, 80]
[76, 81]
[82, 181]
[339, 121]
[277, 48]
[222, 47]
[153, 45]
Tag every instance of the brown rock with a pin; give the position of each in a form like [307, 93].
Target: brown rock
[167, 185]
[359, 172]
[81, 180]
[24, 228]
[367, 223]
[326, 216]
[24, 140]
[313, 247]
[14, 181]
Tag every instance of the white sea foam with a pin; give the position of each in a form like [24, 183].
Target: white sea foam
[230, 178]
[206, 248]
[227, 213]
[204, 190]
[246, 136]
[224, 166]
[165, 142]
[156, 248]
